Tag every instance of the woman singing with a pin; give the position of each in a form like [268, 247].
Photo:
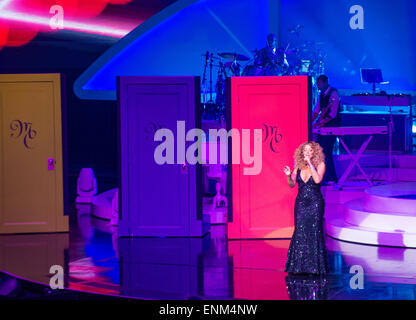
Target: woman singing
[307, 251]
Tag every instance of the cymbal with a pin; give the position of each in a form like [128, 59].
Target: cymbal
[233, 56]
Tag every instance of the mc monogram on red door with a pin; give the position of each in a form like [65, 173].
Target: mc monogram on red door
[262, 205]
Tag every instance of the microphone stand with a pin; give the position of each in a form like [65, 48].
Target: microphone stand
[204, 78]
[210, 76]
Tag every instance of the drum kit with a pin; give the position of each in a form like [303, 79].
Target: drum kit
[305, 59]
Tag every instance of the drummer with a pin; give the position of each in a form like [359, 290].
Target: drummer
[271, 58]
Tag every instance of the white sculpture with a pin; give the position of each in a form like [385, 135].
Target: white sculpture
[218, 212]
[86, 186]
[219, 200]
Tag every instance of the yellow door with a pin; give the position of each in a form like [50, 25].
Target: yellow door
[31, 184]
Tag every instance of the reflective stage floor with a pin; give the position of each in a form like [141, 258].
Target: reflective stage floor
[96, 260]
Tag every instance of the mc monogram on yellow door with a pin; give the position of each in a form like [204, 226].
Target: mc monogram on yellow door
[31, 168]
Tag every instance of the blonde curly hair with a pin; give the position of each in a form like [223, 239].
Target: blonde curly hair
[317, 157]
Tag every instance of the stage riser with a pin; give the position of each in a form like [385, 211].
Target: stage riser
[356, 215]
[390, 205]
[398, 198]
[377, 218]
[343, 231]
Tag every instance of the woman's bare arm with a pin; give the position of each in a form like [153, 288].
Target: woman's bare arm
[291, 179]
[318, 173]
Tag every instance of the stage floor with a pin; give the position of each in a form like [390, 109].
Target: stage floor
[96, 260]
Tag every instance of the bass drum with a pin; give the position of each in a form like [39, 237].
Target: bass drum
[253, 71]
[276, 70]
[304, 67]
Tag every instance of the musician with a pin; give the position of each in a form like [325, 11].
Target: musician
[272, 58]
[326, 114]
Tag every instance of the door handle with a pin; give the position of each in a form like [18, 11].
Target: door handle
[51, 164]
[184, 168]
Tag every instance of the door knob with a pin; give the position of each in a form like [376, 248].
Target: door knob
[51, 164]
[184, 169]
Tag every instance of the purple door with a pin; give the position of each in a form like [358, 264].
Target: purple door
[155, 199]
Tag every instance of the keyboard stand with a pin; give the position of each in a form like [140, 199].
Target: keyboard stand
[354, 162]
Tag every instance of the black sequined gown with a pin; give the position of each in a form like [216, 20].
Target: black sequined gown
[307, 251]
[308, 287]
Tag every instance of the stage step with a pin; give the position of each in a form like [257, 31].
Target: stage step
[356, 214]
[396, 198]
[336, 227]
[386, 215]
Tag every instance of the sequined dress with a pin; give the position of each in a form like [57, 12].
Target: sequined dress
[307, 287]
[307, 251]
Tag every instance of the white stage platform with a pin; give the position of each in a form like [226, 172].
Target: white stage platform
[383, 215]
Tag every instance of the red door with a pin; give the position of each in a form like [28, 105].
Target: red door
[262, 205]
